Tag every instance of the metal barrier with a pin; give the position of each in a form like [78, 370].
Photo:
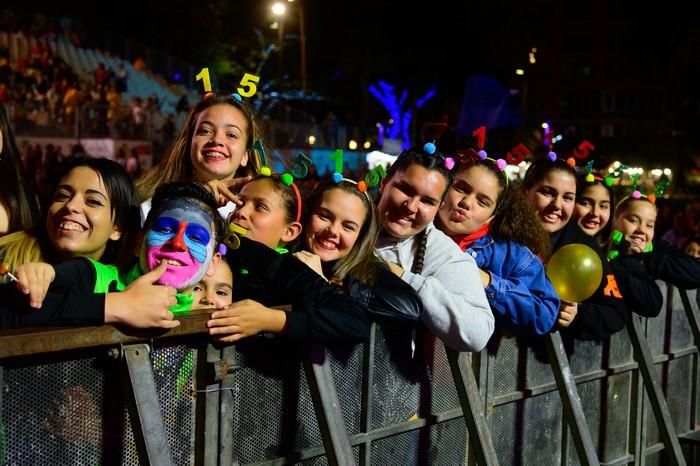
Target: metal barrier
[100, 396]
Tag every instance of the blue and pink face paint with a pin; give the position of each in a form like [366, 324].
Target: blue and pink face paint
[181, 235]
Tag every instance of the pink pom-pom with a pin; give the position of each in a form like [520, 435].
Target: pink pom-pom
[449, 163]
[501, 164]
[636, 194]
[483, 154]
[552, 156]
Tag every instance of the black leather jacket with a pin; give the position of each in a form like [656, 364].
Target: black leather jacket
[321, 312]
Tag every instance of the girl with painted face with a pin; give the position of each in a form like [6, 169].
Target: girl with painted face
[593, 209]
[491, 222]
[446, 279]
[271, 217]
[216, 143]
[638, 261]
[178, 248]
[551, 189]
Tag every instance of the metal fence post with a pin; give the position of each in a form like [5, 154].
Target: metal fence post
[144, 407]
[571, 403]
[366, 403]
[472, 407]
[653, 387]
[325, 400]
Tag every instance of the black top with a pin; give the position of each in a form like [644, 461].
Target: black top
[69, 301]
[603, 313]
[637, 275]
[321, 312]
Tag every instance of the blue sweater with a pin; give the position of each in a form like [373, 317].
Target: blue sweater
[521, 296]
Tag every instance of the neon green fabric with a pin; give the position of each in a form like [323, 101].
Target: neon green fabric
[109, 278]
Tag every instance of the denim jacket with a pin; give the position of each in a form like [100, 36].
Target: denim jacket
[521, 296]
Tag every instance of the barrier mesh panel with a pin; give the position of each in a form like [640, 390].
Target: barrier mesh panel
[515, 438]
[273, 416]
[396, 373]
[173, 370]
[346, 364]
[52, 413]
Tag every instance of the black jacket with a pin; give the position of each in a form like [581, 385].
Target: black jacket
[321, 312]
[637, 274]
[603, 313]
[69, 301]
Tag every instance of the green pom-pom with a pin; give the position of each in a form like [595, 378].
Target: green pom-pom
[609, 180]
[287, 179]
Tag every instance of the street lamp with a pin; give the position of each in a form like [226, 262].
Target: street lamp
[279, 9]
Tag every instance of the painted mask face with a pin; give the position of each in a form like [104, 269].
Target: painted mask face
[182, 236]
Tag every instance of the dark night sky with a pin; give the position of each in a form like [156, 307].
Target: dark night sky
[409, 43]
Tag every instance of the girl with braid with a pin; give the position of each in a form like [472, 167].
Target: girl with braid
[455, 308]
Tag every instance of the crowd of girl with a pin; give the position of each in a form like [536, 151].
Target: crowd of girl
[451, 242]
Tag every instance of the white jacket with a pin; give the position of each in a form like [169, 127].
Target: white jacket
[455, 307]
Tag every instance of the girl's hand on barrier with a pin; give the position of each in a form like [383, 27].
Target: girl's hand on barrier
[143, 304]
[312, 260]
[244, 319]
[223, 190]
[567, 313]
[34, 279]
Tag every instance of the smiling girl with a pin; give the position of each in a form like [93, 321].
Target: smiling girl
[594, 205]
[446, 279]
[638, 261]
[322, 312]
[93, 213]
[216, 143]
[489, 221]
[551, 189]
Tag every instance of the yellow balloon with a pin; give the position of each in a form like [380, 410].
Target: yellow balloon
[575, 271]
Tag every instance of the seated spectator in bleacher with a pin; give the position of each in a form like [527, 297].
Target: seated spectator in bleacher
[121, 79]
[139, 64]
[101, 74]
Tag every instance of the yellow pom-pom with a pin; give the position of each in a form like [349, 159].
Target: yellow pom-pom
[590, 178]
[265, 171]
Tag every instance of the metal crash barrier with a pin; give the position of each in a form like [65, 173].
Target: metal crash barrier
[102, 396]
